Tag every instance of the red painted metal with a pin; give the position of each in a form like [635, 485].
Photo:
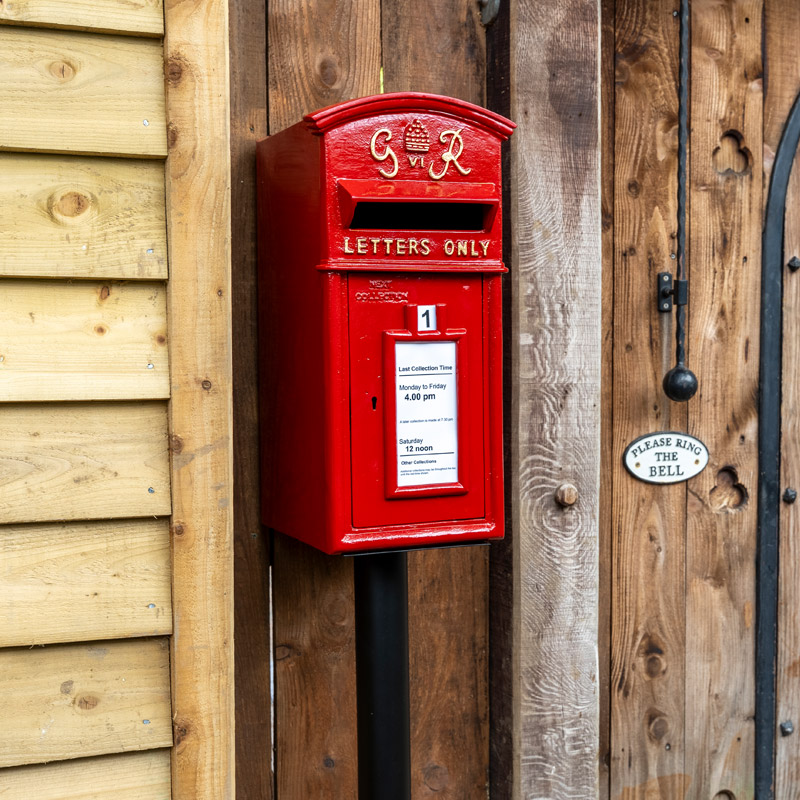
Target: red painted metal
[368, 210]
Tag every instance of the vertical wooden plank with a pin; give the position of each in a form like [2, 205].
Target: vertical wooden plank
[647, 677]
[448, 589]
[725, 185]
[557, 355]
[199, 314]
[607, 88]
[248, 34]
[320, 52]
[782, 31]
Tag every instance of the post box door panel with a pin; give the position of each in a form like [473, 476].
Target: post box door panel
[416, 398]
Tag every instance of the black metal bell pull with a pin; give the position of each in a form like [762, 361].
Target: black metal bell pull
[680, 383]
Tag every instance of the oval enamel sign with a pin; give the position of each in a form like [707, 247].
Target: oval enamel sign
[667, 457]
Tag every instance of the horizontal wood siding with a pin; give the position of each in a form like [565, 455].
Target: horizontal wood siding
[78, 582]
[66, 701]
[83, 341]
[131, 776]
[83, 461]
[139, 17]
[66, 92]
[81, 217]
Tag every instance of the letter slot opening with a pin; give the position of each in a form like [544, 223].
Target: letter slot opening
[420, 216]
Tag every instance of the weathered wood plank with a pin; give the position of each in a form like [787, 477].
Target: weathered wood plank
[448, 592]
[137, 17]
[132, 776]
[67, 92]
[66, 701]
[445, 55]
[199, 313]
[725, 185]
[647, 626]
[312, 593]
[83, 341]
[78, 582]
[248, 34]
[81, 218]
[341, 45]
[83, 461]
[782, 30]
[556, 406]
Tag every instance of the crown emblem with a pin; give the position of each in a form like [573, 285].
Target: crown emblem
[416, 138]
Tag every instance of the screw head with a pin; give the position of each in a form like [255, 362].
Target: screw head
[789, 496]
[787, 728]
[794, 263]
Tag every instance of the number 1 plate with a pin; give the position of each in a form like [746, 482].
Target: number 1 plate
[427, 413]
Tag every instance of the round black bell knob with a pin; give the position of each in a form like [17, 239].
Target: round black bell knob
[680, 384]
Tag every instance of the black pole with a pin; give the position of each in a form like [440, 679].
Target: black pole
[384, 739]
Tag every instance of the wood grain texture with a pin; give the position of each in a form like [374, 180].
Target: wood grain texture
[443, 52]
[248, 33]
[605, 576]
[199, 313]
[448, 591]
[725, 181]
[315, 683]
[65, 701]
[137, 17]
[557, 359]
[67, 92]
[81, 218]
[83, 461]
[132, 776]
[648, 522]
[320, 52]
[81, 582]
[782, 22]
[83, 341]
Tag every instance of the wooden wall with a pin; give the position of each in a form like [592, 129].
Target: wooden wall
[319, 53]
[85, 567]
[680, 581]
[115, 618]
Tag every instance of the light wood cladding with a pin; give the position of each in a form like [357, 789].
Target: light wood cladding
[83, 461]
[132, 776]
[138, 17]
[83, 341]
[84, 581]
[68, 92]
[81, 217]
[65, 701]
[199, 313]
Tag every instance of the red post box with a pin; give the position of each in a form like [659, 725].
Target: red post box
[380, 318]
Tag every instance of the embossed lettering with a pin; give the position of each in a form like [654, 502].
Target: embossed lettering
[387, 153]
[450, 156]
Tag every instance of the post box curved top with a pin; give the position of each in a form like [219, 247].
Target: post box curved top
[333, 116]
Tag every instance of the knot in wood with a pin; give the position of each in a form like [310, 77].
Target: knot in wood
[566, 495]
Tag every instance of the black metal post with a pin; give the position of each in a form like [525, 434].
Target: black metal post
[384, 739]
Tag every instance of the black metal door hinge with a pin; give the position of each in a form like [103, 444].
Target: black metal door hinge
[669, 292]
